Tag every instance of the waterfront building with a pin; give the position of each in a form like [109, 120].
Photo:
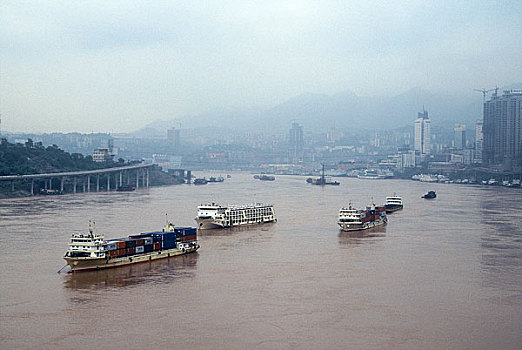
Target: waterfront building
[101, 155]
[459, 136]
[503, 130]
[422, 135]
[296, 144]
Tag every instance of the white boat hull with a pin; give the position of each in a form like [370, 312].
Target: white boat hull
[358, 227]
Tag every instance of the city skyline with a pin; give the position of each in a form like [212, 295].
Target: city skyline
[98, 67]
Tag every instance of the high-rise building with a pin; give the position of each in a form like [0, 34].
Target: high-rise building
[422, 135]
[296, 143]
[479, 141]
[503, 130]
[459, 136]
[173, 137]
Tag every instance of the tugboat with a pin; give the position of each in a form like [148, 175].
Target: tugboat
[90, 251]
[430, 195]
[393, 204]
[200, 181]
[352, 219]
[216, 179]
[321, 181]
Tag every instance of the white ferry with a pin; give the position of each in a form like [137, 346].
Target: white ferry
[393, 203]
[216, 216]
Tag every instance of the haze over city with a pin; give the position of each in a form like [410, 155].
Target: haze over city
[116, 66]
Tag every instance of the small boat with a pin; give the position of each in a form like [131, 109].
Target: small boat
[200, 181]
[430, 195]
[216, 179]
[323, 180]
[125, 188]
[267, 178]
[370, 174]
[393, 204]
[49, 192]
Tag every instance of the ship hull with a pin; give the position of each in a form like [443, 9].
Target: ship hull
[390, 208]
[87, 264]
[209, 224]
[359, 227]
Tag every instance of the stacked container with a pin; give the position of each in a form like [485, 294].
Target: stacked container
[186, 234]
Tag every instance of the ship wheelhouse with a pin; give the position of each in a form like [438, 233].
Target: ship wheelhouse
[89, 245]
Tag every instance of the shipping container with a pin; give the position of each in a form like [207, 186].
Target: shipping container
[147, 240]
[139, 242]
[168, 245]
[130, 243]
[131, 251]
[119, 244]
[122, 252]
[113, 253]
[112, 246]
[148, 248]
[157, 246]
[188, 238]
[140, 249]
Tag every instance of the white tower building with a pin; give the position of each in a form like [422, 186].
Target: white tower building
[422, 135]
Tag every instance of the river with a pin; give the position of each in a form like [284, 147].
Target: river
[442, 274]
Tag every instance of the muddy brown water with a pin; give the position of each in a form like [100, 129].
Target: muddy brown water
[443, 274]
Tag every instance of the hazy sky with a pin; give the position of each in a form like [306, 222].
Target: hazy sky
[114, 66]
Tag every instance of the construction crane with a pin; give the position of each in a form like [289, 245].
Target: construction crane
[484, 92]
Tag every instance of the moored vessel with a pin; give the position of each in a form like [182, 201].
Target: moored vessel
[200, 181]
[90, 251]
[216, 216]
[323, 180]
[393, 203]
[352, 219]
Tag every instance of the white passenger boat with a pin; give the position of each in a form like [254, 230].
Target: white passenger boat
[393, 203]
[216, 216]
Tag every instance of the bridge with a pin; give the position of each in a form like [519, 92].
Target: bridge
[132, 173]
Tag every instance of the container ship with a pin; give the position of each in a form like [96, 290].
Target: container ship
[216, 216]
[351, 219]
[393, 204]
[90, 251]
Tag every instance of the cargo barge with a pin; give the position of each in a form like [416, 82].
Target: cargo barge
[216, 216]
[91, 251]
[351, 219]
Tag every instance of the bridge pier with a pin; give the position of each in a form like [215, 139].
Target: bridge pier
[121, 178]
[12, 186]
[83, 185]
[147, 178]
[62, 180]
[32, 187]
[108, 182]
[88, 183]
[74, 184]
[137, 179]
[98, 183]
